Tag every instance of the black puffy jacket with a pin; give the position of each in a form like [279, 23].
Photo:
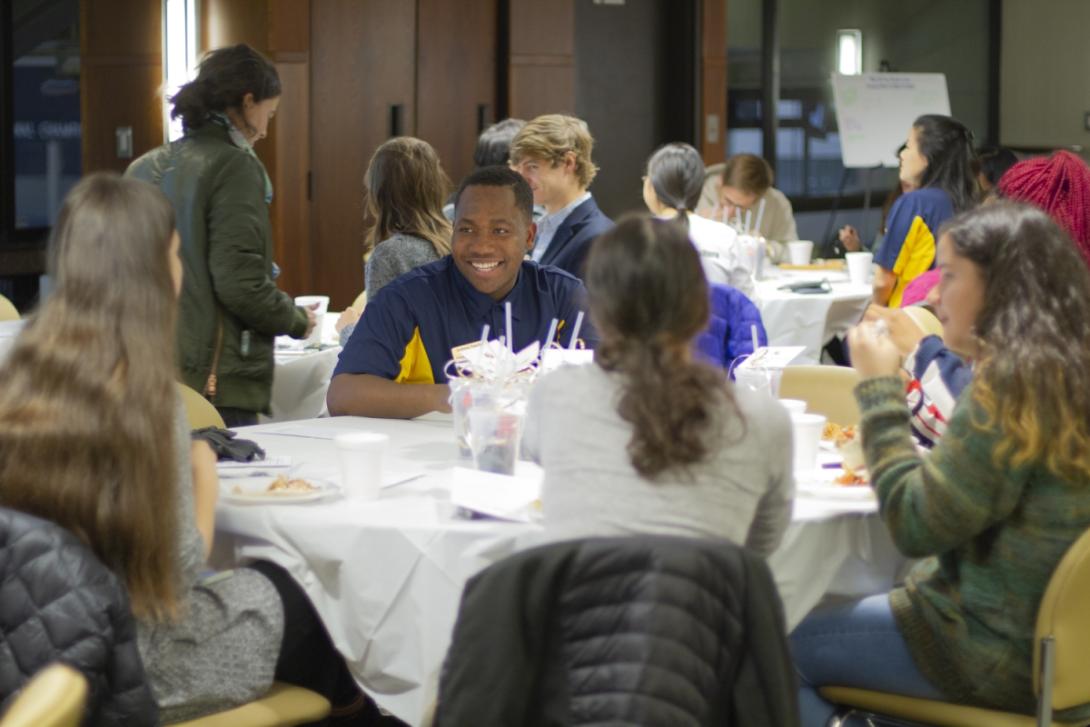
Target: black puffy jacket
[59, 603]
[642, 630]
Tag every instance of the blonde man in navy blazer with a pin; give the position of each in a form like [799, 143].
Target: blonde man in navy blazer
[553, 154]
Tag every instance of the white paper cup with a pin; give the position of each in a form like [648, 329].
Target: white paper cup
[807, 429]
[859, 267]
[306, 301]
[794, 406]
[799, 251]
[360, 454]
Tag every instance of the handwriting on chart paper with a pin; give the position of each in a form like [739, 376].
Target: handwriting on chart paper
[875, 110]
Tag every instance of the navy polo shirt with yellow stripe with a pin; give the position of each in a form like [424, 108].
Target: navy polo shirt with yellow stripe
[407, 332]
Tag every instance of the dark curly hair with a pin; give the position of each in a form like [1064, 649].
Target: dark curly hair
[1033, 374]
[224, 78]
[648, 300]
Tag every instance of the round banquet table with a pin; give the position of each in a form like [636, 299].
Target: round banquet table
[810, 320]
[386, 576]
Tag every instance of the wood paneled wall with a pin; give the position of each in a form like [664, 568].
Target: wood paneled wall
[363, 67]
[541, 66]
[121, 79]
[344, 65]
[456, 77]
[713, 81]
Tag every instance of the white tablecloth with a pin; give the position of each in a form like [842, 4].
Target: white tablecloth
[798, 319]
[9, 330]
[386, 576]
[301, 377]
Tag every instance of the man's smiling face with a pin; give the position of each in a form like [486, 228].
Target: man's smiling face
[491, 238]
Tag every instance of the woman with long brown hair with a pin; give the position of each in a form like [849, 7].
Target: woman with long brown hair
[997, 502]
[649, 440]
[405, 188]
[93, 437]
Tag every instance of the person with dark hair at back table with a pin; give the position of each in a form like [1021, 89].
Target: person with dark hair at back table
[394, 363]
[937, 161]
[494, 149]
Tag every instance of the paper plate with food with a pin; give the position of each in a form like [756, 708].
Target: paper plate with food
[281, 489]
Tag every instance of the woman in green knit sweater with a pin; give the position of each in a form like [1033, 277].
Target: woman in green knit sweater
[992, 509]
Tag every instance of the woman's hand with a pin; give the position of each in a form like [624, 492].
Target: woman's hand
[849, 238]
[903, 331]
[348, 317]
[873, 352]
[312, 317]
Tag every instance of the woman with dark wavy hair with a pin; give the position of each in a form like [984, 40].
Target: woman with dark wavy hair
[647, 439]
[999, 499]
[937, 163]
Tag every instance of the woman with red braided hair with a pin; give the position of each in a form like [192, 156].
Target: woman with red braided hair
[1059, 185]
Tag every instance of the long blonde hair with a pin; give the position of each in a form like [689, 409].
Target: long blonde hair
[406, 187]
[87, 395]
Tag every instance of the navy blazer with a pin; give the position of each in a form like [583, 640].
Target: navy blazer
[571, 243]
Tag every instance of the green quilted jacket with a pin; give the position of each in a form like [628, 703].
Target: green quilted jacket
[230, 308]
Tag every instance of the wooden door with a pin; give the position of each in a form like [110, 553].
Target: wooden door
[362, 82]
[456, 77]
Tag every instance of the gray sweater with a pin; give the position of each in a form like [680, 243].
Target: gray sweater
[222, 651]
[392, 258]
[743, 492]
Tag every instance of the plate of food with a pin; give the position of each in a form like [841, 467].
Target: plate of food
[840, 484]
[281, 489]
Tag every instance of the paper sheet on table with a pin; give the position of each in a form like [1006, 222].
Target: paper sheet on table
[554, 357]
[771, 357]
[501, 496]
[312, 431]
[257, 467]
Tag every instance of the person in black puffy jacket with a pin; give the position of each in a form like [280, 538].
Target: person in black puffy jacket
[644, 630]
[58, 603]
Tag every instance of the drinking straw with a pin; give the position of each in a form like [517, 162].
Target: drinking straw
[756, 340]
[738, 218]
[507, 322]
[484, 334]
[552, 332]
[749, 218]
[760, 214]
[575, 331]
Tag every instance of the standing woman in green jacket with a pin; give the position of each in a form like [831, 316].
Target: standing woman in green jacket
[230, 308]
[994, 506]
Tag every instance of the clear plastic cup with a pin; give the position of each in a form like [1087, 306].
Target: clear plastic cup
[494, 437]
[463, 393]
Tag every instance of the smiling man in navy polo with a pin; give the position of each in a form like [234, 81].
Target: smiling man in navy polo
[393, 365]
